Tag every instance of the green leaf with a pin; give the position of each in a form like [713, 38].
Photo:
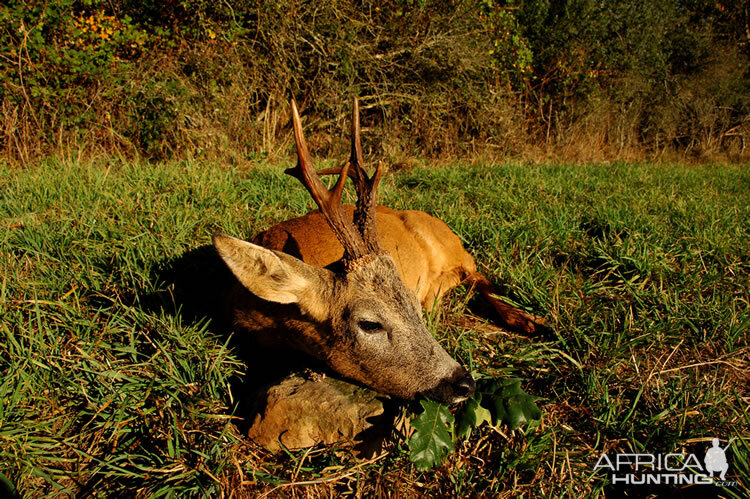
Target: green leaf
[507, 402]
[471, 416]
[431, 439]
[7, 489]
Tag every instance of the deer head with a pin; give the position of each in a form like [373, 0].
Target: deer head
[361, 319]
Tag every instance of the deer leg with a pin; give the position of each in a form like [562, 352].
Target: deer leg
[510, 316]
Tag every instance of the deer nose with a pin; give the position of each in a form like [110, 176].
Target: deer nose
[454, 389]
[465, 386]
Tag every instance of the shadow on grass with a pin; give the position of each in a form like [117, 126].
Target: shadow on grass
[196, 287]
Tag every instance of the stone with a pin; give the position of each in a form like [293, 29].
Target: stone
[301, 411]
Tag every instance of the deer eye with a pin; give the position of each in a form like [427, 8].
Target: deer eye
[370, 326]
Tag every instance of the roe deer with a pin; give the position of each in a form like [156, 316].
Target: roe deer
[347, 284]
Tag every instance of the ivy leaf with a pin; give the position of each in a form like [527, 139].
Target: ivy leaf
[494, 401]
[508, 403]
[7, 489]
[471, 416]
[431, 439]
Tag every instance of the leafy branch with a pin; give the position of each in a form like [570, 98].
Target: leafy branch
[495, 401]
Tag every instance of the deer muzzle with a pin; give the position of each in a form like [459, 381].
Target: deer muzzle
[457, 388]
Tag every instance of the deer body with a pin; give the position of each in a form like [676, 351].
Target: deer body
[347, 284]
[429, 256]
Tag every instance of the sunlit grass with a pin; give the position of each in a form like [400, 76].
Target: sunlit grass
[641, 269]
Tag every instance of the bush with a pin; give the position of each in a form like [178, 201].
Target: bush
[189, 78]
[657, 75]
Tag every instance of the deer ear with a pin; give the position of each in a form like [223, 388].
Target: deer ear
[269, 275]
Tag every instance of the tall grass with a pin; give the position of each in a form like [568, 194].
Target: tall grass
[642, 270]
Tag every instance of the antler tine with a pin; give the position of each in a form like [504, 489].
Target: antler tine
[356, 155]
[356, 170]
[364, 214]
[305, 172]
[329, 201]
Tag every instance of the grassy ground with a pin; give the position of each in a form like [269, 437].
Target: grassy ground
[642, 270]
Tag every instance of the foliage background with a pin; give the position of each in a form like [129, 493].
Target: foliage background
[574, 79]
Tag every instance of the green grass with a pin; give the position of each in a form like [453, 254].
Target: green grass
[641, 269]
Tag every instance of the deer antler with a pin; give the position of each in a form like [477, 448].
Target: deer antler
[357, 243]
[364, 214]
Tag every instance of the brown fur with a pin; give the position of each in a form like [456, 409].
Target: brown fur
[429, 256]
